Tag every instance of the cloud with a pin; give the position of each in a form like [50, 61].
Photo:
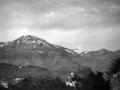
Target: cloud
[64, 15]
[71, 23]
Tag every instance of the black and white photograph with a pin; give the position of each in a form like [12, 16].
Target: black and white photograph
[59, 44]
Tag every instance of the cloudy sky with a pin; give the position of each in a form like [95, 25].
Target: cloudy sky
[82, 24]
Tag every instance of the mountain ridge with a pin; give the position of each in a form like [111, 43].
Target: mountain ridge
[31, 50]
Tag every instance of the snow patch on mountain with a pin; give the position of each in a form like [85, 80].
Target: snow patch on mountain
[34, 40]
[77, 50]
[71, 51]
[85, 52]
[4, 44]
[30, 39]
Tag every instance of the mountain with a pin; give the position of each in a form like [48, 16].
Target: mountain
[100, 54]
[99, 60]
[31, 50]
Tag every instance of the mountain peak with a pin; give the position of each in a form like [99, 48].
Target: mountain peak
[103, 50]
[30, 39]
[29, 42]
[26, 35]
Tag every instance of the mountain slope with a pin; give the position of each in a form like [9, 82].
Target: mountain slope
[31, 50]
[99, 60]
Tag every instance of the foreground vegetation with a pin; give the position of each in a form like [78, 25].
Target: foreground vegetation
[40, 79]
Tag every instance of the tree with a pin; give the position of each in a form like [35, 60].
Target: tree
[115, 66]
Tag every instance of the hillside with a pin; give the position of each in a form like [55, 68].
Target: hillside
[31, 50]
[99, 60]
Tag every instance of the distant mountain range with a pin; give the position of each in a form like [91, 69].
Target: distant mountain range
[31, 50]
[99, 60]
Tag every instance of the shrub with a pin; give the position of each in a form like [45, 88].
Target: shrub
[115, 66]
[93, 81]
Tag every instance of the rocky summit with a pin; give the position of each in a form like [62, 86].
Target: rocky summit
[31, 50]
